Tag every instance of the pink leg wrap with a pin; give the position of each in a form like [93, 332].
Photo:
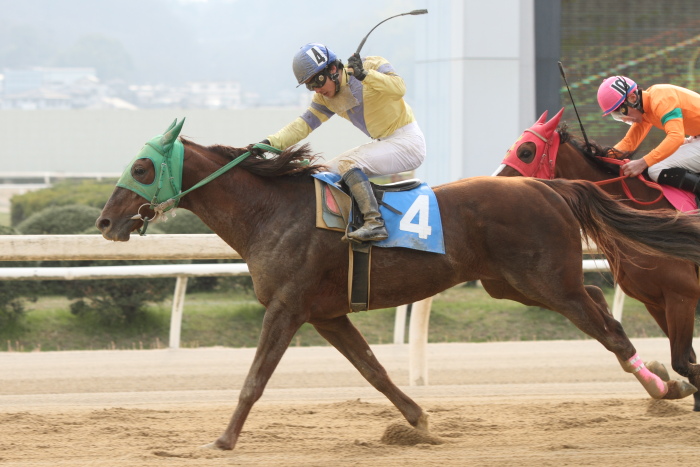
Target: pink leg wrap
[654, 385]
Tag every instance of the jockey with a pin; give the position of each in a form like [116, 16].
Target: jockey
[369, 94]
[676, 110]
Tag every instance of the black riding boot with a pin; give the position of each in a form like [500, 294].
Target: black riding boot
[373, 229]
[680, 178]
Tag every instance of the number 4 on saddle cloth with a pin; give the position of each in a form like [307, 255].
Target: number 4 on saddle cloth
[409, 208]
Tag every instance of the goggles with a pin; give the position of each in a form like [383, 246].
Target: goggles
[317, 81]
[621, 113]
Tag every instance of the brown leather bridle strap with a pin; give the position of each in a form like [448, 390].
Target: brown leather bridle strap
[626, 189]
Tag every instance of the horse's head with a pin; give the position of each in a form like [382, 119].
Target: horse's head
[535, 152]
[148, 187]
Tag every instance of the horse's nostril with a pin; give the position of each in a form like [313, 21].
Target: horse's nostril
[102, 223]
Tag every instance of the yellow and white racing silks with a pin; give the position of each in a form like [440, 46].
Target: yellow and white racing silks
[374, 105]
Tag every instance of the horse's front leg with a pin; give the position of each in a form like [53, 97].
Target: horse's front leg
[279, 326]
[680, 318]
[345, 337]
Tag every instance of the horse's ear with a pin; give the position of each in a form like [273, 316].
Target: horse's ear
[170, 127]
[551, 125]
[542, 119]
[171, 135]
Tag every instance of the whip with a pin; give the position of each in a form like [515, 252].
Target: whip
[414, 12]
[563, 75]
[359, 47]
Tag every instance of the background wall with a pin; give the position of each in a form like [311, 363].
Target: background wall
[474, 84]
[106, 140]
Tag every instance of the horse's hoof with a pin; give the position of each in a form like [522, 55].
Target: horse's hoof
[216, 446]
[679, 389]
[659, 370]
[398, 434]
[422, 423]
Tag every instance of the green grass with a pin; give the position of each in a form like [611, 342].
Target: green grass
[5, 218]
[460, 314]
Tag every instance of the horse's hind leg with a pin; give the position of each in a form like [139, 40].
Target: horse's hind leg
[680, 320]
[588, 310]
[597, 296]
[609, 332]
[345, 337]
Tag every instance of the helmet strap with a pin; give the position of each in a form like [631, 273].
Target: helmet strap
[638, 92]
[335, 77]
[639, 105]
[336, 80]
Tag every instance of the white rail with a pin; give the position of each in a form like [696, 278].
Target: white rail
[200, 246]
[94, 247]
[150, 247]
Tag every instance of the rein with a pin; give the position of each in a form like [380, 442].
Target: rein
[164, 206]
[626, 189]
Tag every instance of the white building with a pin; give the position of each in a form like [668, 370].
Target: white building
[475, 81]
[214, 94]
[41, 88]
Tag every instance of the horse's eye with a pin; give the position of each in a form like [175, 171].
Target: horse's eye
[143, 171]
[526, 152]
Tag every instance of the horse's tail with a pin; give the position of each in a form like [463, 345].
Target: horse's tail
[610, 223]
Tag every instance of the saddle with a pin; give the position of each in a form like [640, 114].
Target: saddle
[336, 210]
[334, 203]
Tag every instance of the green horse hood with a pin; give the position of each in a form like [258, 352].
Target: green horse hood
[167, 154]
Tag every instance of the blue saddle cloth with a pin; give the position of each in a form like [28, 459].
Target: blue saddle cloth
[413, 222]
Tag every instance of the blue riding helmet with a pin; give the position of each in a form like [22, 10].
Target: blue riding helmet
[311, 59]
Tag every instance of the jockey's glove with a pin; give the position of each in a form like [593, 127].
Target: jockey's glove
[355, 62]
[257, 151]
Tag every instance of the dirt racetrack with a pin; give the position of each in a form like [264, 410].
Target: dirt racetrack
[520, 403]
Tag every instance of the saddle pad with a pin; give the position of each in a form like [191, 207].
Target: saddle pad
[682, 200]
[332, 206]
[417, 225]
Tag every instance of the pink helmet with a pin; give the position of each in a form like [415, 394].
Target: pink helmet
[613, 92]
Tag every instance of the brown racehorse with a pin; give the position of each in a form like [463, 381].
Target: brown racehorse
[521, 237]
[667, 287]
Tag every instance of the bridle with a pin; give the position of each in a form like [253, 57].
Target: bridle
[548, 159]
[171, 174]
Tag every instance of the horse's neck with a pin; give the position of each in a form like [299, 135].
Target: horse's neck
[248, 211]
[573, 165]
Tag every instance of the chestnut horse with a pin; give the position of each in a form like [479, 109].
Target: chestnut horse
[521, 237]
[667, 287]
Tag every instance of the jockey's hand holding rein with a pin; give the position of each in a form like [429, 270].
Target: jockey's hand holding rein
[634, 168]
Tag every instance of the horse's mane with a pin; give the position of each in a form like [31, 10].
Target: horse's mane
[295, 161]
[593, 151]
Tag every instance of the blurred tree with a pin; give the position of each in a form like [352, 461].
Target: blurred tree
[22, 45]
[93, 193]
[61, 220]
[107, 55]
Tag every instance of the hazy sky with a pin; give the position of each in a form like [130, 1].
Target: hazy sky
[250, 41]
